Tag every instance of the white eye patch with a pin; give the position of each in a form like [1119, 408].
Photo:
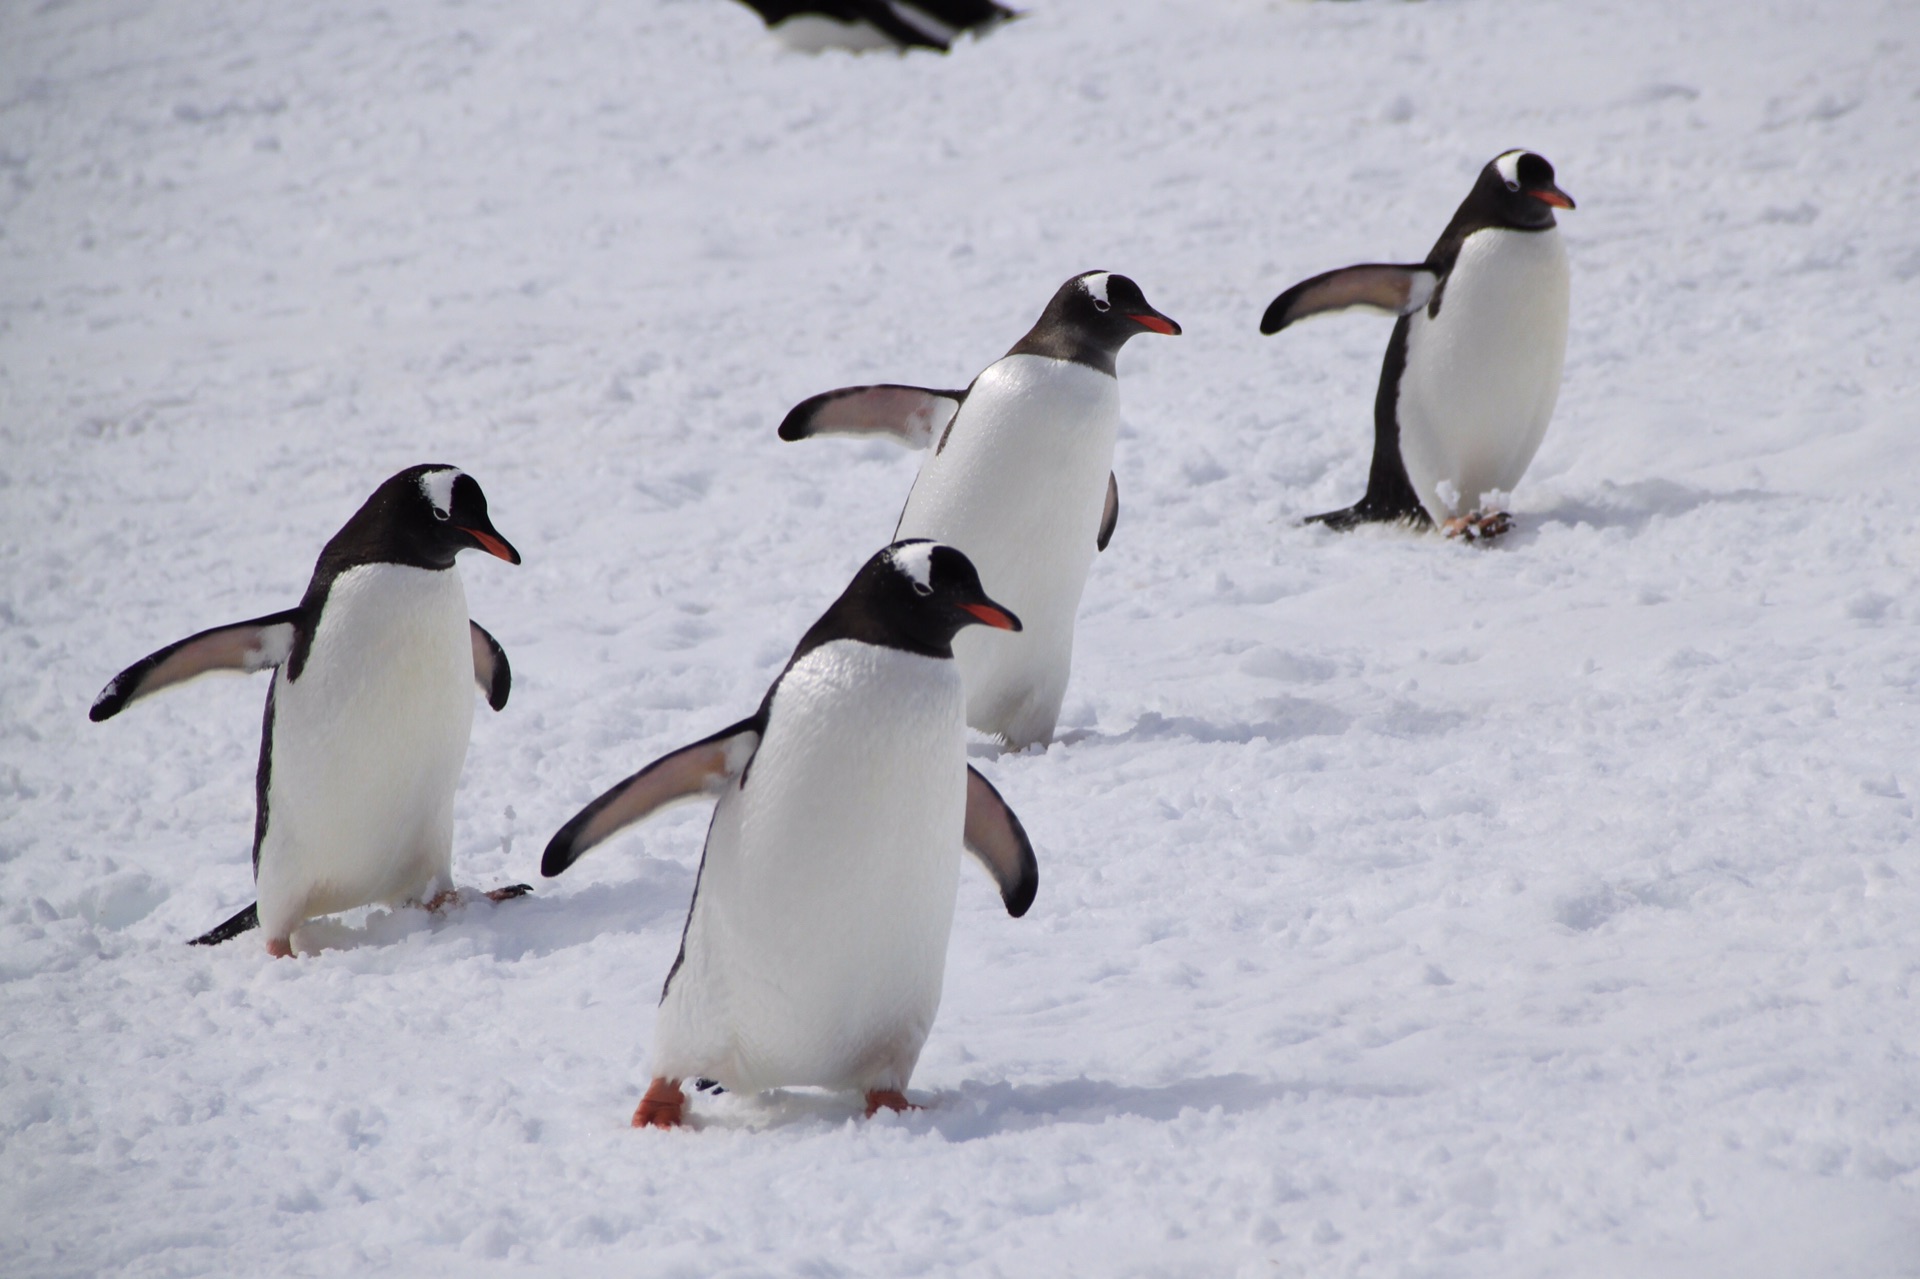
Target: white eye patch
[1508, 167]
[1096, 287]
[916, 561]
[438, 486]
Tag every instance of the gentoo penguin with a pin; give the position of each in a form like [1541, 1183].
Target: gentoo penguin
[1021, 479]
[816, 942]
[1473, 367]
[369, 710]
[812, 25]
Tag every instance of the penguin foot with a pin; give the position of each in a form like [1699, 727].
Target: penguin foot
[280, 947]
[889, 1099]
[1480, 526]
[662, 1106]
[453, 896]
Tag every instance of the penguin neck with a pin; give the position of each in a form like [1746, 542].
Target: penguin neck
[1061, 341]
[1473, 216]
[856, 617]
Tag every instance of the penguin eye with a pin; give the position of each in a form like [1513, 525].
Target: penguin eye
[921, 588]
[1098, 305]
[1512, 185]
[440, 515]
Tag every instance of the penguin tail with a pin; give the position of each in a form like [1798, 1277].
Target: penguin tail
[1369, 511]
[245, 921]
[1339, 521]
[1364, 513]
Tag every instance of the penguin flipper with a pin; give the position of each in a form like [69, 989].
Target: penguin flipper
[247, 646]
[995, 836]
[702, 768]
[912, 415]
[240, 923]
[1376, 286]
[1110, 516]
[490, 668]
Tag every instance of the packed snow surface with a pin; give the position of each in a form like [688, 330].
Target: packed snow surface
[1405, 908]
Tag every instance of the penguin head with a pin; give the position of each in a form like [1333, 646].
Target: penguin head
[1090, 318]
[423, 517]
[458, 510]
[1111, 308]
[940, 584]
[1517, 189]
[914, 595]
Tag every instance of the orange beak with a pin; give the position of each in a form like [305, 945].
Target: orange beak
[1155, 322]
[997, 618]
[1552, 195]
[492, 545]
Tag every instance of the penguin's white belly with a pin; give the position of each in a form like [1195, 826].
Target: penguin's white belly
[1482, 377]
[367, 748]
[817, 941]
[1019, 489]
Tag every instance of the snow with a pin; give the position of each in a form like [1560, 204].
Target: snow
[1406, 908]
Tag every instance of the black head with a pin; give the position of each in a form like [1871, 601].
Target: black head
[1090, 318]
[915, 595]
[1516, 190]
[422, 517]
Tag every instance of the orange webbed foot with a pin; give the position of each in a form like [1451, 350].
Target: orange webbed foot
[888, 1099]
[663, 1105]
[1480, 526]
[279, 947]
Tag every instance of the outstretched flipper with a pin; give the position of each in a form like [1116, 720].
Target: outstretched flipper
[912, 415]
[1377, 286]
[250, 646]
[1110, 516]
[490, 669]
[995, 836]
[702, 768]
[245, 921]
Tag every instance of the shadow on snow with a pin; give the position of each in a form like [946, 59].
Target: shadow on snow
[977, 1110]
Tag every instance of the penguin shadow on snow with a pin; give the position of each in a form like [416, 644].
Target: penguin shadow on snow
[1286, 719]
[532, 925]
[976, 1110]
[988, 1110]
[655, 893]
[1630, 507]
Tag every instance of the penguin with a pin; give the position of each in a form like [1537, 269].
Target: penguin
[1020, 478]
[1473, 368]
[368, 713]
[810, 26]
[815, 945]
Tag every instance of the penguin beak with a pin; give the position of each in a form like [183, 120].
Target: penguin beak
[1154, 322]
[992, 615]
[492, 543]
[1551, 195]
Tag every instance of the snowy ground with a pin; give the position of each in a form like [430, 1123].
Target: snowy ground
[1405, 909]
